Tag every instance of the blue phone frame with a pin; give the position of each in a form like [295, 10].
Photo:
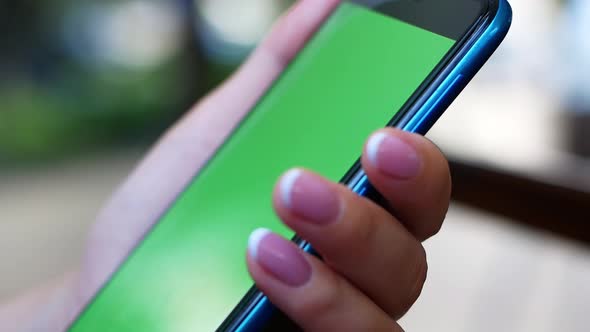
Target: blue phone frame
[458, 71]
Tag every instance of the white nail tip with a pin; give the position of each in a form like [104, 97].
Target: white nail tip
[254, 240]
[373, 146]
[287, 183]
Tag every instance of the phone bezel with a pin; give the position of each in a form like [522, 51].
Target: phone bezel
[446, 18]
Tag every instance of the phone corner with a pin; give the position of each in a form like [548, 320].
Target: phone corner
[503, 19]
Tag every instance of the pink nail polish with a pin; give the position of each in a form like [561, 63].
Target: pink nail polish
[279, 257]
[310, 197]
[393, 156]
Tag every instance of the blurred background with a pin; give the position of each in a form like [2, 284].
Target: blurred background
[87, 86]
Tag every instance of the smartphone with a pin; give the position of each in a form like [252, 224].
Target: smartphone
[372, 63]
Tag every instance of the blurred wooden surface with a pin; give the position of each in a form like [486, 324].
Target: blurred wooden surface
[560, 208]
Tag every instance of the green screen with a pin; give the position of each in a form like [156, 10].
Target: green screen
[190, 271]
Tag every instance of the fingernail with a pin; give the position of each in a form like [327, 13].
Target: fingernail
[279, 257]
[310, 197]
[393, 156]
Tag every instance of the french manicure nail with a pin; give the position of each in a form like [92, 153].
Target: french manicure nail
[279, 257]
[393, 156]
[310, 197]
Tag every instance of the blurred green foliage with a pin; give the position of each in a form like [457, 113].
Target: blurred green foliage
[84, 109]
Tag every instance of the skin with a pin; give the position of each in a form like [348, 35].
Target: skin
[374, 263]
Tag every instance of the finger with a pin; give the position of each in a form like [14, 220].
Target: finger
[307, 291]
[413, 176]
[275, 52]
[356, 237]
[185, 149]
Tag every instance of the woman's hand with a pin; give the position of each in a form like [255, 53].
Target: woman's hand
[374, 264]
